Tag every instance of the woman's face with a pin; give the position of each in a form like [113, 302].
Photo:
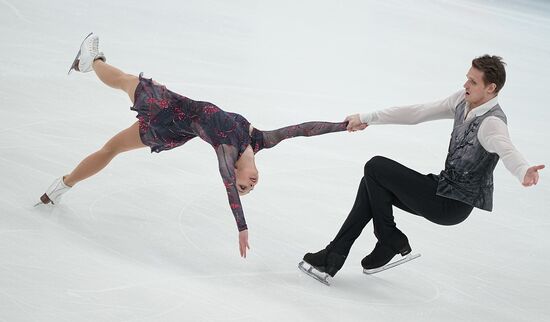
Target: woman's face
[246, 180]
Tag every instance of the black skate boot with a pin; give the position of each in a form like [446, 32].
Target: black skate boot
[383, 253]
[322, 264]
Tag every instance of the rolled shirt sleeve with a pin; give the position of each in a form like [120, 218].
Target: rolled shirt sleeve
[414, 114]
[494, 137]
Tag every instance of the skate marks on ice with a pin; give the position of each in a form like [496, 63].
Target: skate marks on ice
[15, 11]
[348, 289]
[349, 286]
[409, 257]
[409, 286]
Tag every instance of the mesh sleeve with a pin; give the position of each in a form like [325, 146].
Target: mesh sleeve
[227, 156]
[272, 138]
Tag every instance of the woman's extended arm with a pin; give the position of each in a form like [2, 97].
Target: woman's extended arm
[268, 139]
[227, 156]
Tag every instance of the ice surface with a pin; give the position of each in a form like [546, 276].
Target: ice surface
[151, 238]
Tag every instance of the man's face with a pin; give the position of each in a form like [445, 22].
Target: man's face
[477, 92]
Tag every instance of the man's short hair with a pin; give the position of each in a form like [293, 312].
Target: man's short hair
[493, 70]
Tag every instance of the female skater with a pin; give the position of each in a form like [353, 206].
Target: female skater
[167, 120]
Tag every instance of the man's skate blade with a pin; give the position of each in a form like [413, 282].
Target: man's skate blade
[75, 61]
[403, 260]
[315, 274]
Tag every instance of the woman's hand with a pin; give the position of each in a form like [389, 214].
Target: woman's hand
[243, 242]
[354, 123]
[532, 175]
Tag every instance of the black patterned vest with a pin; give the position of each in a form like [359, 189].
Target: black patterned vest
[468, 174]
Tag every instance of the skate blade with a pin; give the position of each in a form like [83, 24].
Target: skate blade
[407, 258]
[311, 271]
[44, 200]
[74, 65]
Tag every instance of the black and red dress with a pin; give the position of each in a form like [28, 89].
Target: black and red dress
[168, 120]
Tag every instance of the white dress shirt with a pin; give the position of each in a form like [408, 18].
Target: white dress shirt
[492, 134]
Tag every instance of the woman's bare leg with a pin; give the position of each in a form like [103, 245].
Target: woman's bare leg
[125, 140]
[116, 78]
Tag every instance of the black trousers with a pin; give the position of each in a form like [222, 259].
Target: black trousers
[385, 184]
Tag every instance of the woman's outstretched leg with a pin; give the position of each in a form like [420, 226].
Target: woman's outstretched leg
[90, 58]
[125, 140]
[116, 78]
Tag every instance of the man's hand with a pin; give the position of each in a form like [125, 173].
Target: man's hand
[532, 175]
[243, 242]
[354, 123]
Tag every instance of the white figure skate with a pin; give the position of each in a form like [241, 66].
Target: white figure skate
[54, 192]
[87, 54]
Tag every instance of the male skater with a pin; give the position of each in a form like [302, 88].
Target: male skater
[479, 138]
